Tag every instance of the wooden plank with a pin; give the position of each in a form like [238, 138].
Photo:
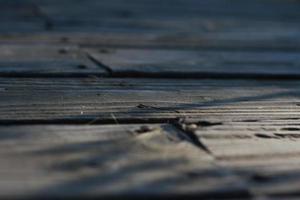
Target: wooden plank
[242, 25]
[253, 25]
[189, 8]
[124, 100]
[181, 63]
[41, 60]
[78, 161]
[20, 16]
[227, 35]
[21, 27]
[18, 10]
[264, 150]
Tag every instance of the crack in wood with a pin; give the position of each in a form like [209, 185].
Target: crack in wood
[188, 131]
[99, 64]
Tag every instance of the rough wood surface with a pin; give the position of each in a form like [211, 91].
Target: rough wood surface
[130, 62]
[40, 60]
[145, 99]
[149, 97]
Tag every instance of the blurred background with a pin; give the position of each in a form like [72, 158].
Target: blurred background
[218, 24]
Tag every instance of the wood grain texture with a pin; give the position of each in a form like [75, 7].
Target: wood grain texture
[90, 99]
[40, 60]
[130, 62]
[199, 98]
[264, 150]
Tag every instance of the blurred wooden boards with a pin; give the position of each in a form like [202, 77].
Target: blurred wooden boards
[215, 24]
[73, 161]
[130, 160]
[40, 60]
[275, 10]
[127, 34]
[185, 63]
[266, 151]
[69, 161]
[20, 16]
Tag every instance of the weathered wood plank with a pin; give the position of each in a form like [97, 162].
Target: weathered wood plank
[252, 25]
[18, 10]
[158, 35]
[282, 10]
[113, 160]
[134, 160]
[181, 63]
[264, 150]
[20, 16]
[41, 60]
[124, 100]
[256, 25]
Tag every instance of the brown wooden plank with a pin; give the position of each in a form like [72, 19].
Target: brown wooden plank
[41, 60]
[108, 100]
[198, 63]
[77, 161]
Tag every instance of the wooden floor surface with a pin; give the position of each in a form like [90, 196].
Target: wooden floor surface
[150, 98]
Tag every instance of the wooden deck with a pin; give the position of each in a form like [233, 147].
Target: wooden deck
[150, 98]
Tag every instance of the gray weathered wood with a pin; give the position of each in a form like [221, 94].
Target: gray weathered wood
[106, 160]
[90, 99]
[255, 25]
[198, 63]
[264, 150]
[93, 10]
[41, 60]
[286, 38]
[133, 160]
[22, 17]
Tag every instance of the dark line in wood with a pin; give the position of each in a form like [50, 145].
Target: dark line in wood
[97, 62]
[53, 75]
[104, 121]
[204, 75]
[186, 46]
[48, 24]
[189, 133]
[239, 193]
[167, 75]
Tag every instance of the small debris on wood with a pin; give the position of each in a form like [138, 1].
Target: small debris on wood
[144, 129]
